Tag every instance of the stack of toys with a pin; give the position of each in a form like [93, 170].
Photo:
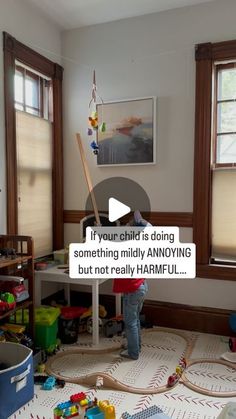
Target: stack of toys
[85, 320]
[15, 333]
[14, 285]
[69, 323]
[46, 326]
[80, 406]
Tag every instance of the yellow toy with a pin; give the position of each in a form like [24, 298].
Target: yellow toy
[88, 313]
[108, 409]
[93, 120]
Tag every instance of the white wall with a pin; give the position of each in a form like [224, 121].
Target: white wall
[149, 55]
[28, 26]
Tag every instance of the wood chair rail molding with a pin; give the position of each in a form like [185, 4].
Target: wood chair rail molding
[179, 219]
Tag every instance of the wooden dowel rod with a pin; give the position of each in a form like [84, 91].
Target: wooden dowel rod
[88, 179]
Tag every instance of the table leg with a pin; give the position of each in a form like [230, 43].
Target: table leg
[67, 293]
[37, 291]
[118, 304]
[95, 311]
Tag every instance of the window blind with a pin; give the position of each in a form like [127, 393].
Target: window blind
[34, 178]
[224, 214]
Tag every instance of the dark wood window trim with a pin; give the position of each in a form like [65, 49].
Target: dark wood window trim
[15, 50]
[215, 134]
[206, 55]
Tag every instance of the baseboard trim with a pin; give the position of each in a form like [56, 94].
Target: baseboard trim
[180, 316]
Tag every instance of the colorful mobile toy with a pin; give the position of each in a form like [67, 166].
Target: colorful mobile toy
[94, 147]
[93, 117]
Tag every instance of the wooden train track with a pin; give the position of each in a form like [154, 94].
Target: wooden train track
[107, 380]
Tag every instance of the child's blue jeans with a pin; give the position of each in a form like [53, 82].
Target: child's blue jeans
[132, 306]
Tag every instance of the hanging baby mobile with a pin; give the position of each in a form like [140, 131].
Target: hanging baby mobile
[94, 123]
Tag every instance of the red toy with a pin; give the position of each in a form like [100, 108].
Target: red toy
[232, 344]
[7, 302]
[78, 397]
[16, 288]
[173, 379]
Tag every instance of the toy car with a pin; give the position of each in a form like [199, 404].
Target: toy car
[183, 363]
[49, 383]
[41, 379]
[172, 380]
[114, 326]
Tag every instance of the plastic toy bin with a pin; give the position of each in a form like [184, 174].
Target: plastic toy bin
[68, 323]
[46, 325]
[16, 377]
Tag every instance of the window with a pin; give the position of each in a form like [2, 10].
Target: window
[223, 231]
[215, 160]
[224, 122]
[34, 157]
[31, 91]
[33, 113]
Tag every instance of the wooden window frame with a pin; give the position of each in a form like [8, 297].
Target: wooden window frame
[217, 68]
[15, 50]
[39, 80]
[206, 55]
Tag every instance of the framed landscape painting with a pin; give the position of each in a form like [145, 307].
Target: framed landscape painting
[130, 133]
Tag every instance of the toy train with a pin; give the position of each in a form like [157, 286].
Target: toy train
[174, 378]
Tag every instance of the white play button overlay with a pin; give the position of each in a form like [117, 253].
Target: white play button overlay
[117, 209]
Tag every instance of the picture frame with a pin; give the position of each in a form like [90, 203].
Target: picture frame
[130, 135]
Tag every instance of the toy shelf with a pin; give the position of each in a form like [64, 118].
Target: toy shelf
[19, 306]
[21, 262]
[8, 261]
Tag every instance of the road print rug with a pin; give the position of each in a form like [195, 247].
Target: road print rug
[161, 352]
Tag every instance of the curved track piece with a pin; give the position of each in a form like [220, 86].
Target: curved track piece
[108, 382]
[203, 390]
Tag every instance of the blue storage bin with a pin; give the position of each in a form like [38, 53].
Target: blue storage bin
[16, 377]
